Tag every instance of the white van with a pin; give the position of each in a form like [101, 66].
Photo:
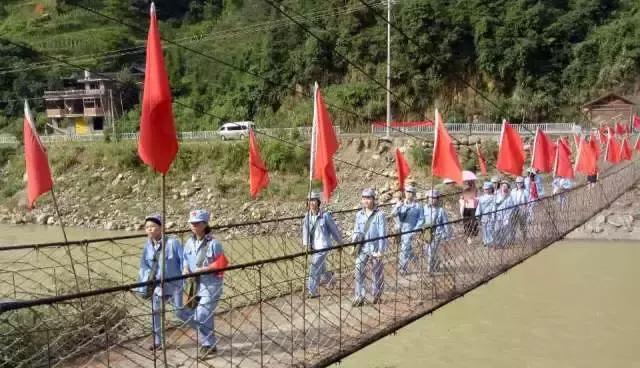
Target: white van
[235, 130]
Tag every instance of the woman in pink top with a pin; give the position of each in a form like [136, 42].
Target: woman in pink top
[468, 204]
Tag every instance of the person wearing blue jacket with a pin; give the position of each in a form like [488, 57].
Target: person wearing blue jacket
[318, 229]
[436, 217]
[409, 217]
[486, 212]
[369, 224]
[202, 252]
[152, 267]
[503, 223]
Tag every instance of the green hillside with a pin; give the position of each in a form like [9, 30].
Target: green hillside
[538, 60]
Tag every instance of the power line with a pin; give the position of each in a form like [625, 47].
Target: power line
[191, 107]
[265, 79]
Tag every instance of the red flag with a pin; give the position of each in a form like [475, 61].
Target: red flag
[625, 151]
[39, 179]
[595, 146]
[613, 150]
[543, 152]
[620, 130]
[511, 153]
[402, 168]
[636, 121]
[481, 161]
[158, 142]
[444, 161]
[586, 162]
[563, 167]
[324, 146]
[258, 173]
[637, 145]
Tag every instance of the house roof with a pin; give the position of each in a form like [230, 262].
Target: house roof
[605, 99]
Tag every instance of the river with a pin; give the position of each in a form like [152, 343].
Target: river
[575, 304]
[572, 305]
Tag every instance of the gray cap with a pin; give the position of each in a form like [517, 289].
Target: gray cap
[314, 195]
[487, 185]
[155, 218]
[495, 179]
[410, 188]
[433, 193]
[369, 192]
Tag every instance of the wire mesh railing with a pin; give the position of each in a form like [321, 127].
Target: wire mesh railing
[264, 316]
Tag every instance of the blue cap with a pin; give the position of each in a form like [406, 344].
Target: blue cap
[487, 185]
[369, 192]
[155, 218]
[198, 216]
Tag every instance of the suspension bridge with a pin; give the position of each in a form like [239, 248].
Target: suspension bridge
[50, 319]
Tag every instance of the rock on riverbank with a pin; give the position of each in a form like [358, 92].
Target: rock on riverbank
[620, 221]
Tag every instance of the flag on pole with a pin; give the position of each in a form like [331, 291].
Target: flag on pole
[595, 146]
[543, 152]
[586, 162]
[612, 153]
[402, 168]
[562, 167]
[625, 151]
[620, 129]
[258, 173]
[511, 153]
[158, 142]
[324, 146]
[636, 146]
[444, 161]
[39, 180]
[636, 121]
[481, 161]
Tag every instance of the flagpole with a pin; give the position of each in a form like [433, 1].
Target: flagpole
[163, 251]
[66, 240]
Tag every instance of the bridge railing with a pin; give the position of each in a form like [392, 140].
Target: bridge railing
[481, 128]
[265, 318]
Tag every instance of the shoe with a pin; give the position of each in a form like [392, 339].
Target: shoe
[153, 347]
[357, 302]
[377, 300]
[205, 351]
[313, 296]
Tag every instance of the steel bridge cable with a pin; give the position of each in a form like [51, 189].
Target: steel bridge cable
[293, 144]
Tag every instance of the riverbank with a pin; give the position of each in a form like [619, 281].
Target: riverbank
[105, 186]
[620, 221]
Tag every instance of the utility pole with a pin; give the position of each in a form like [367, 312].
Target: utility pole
[388, 136]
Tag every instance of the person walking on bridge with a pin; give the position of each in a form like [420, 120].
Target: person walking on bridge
[409, 217]
[202, 252]
[318, 228]
[504, 211]
[435, 217]
[152, 266]
[521, 214]
[533, 177]
[369, 224]
[486, 211]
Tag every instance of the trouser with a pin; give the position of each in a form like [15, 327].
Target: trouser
[487, 233]
[318, 272]
[201, 318]
[431, 251]
[406, 253]
[377, 269]
[156, 301]
[521, 222]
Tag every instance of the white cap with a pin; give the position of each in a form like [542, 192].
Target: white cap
[433, 193]
[519, 179]
[410, 189]
[314, 195]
